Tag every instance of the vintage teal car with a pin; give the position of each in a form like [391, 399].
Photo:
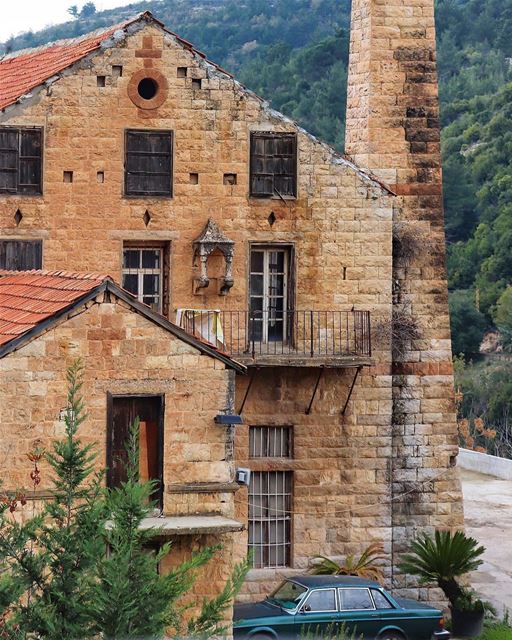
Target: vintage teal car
[312, 606]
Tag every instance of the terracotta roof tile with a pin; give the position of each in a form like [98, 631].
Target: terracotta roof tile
[20, 73]
[27, 298]
[23, 71]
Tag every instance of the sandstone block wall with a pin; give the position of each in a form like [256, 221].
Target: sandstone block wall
[124, 353]
[393, 129]
[340, 226]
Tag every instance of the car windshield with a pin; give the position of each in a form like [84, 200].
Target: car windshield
[288, 594]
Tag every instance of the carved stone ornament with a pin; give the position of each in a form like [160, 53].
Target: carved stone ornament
[210, 239]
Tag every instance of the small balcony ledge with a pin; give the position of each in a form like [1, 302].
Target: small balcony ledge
[273, 338]
[168, 526]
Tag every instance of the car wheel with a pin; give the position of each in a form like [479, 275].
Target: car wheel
[392, 635]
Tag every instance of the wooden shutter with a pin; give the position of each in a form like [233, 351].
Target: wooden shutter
[148, 163]
[30, 156]
[21, 255]
[273, 164]
[8, 160]
[21, 153]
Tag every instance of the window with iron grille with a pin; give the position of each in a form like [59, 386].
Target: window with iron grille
[148, 163]
[270, 442]
[273, 164]
[21, 255]
[270, 499]
[145, 274]
[21, 155]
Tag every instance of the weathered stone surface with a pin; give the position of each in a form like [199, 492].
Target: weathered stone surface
[403, 68]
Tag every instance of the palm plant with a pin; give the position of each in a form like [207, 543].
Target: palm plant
[363, 566]
[443, 558]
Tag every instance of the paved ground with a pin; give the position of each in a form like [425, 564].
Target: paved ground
[488, 516]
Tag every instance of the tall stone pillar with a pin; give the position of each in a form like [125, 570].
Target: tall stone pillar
[393, 131]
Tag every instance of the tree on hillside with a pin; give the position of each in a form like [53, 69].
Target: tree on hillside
[467, 323]
[503, 317]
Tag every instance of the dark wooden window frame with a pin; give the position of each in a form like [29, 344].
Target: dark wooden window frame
[165, 246]
[35, 189]
[141, 193]
[110, 416]
[37, 253]
[272, 191]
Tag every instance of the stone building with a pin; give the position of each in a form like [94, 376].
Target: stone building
[126, 151]
[135, 363]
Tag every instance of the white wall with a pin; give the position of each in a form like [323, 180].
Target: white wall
[484, 463]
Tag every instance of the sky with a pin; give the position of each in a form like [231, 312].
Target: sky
[24, 15]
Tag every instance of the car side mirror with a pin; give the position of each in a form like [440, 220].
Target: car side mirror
[306, 608]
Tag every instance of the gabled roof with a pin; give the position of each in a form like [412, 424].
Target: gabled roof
[22, 71]
[31, 302]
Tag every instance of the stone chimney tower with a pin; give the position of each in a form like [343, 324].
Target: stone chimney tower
[393, 130]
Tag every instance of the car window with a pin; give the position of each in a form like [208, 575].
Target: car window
[288, 594]
[355, 599]
[381, 602]
[321, 600]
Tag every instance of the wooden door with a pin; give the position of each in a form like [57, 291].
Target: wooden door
[123, 411]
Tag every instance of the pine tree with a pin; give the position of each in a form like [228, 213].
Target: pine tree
[133, 600]
[57, 581]
[51, 558]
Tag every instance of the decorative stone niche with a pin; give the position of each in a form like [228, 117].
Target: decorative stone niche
[210, 240]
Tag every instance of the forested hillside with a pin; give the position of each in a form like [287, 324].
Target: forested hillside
[294, 52]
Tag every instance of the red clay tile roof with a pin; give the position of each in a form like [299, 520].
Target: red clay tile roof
[27, 298]
[21, 72]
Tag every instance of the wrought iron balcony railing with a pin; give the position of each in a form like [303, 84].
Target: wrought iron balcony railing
[288, 334]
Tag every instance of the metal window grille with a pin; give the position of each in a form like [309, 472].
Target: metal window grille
[270, 500]
[270, 442]
[143, 274]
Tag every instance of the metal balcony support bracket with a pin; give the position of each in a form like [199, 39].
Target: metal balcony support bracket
[246, 394]
[320, 374]
[350, 390]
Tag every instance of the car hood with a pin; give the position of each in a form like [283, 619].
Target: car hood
[255, 610]
[414, 604]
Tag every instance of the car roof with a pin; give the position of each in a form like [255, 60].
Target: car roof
[311, 581]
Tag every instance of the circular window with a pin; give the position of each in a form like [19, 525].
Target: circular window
[147, 88]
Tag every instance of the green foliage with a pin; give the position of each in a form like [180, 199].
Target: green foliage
[56, 581]
[486, 389]
[364, 566]
[498, 629]
[502, 315]
[469, 601]
[132, 599]
[441, 559]
[52, 556]
[467, 323]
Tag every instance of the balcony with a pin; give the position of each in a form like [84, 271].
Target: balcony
[284, 338]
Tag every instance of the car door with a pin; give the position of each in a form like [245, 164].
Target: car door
[390, 616]
[357, 611]
[317, 615]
